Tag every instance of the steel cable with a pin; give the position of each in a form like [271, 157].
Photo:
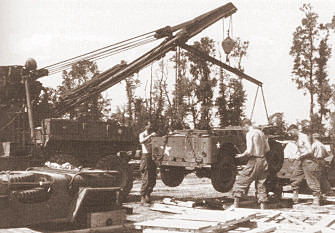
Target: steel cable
[104, 54]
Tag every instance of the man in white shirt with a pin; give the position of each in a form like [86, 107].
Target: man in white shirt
[147, 165]
[305, 166]
[257, 167]
[320, 153]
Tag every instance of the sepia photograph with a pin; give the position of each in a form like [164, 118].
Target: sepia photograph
[167, 116]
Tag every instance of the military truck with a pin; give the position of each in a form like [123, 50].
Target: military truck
[210, 153]
[103, 145]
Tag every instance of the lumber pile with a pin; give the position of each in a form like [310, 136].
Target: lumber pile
[185, 218]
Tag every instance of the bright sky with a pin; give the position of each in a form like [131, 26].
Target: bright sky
[54, 30]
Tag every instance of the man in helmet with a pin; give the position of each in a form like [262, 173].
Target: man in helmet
[147, 165]
[257, 167]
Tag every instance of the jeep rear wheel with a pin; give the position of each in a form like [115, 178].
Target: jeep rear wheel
[172, 176]
[223, 174]
[275, 156]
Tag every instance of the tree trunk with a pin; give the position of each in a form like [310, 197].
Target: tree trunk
[311, 112]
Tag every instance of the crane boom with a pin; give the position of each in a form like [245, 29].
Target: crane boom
[175, 36]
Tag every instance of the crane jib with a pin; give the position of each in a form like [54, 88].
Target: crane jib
[175, 36]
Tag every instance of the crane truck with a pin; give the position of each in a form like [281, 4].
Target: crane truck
[62, 194]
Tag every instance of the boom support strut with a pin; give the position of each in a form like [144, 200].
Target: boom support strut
[219, 63]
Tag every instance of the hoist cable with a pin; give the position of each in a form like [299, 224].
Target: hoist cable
[97, 50]
[254, 104]
[266, 109]
[231, 26]
[88, 57]
[102, 55]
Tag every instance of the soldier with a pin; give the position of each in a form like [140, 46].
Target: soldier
[147, 166]
[257, 166]
[320, 154]
[303, 144]
[305, 166]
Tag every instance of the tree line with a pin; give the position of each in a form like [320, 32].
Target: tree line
[203, 92]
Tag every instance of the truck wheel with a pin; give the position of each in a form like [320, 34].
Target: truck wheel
[172, 176]
[223, 174]
[275, 157]
[113, 162]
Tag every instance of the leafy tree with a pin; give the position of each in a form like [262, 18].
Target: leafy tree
[80, 73]
[232, 96]
[323, 88]
[304, 51]
[183, 89]
[42, 107]
[200, 70]
[311, 53]
[235, 98]
[239, 52]
[159, 99]
[221, 102]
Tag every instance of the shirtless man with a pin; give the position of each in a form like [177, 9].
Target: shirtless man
[257, 166]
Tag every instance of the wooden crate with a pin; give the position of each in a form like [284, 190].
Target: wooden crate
[106, 218]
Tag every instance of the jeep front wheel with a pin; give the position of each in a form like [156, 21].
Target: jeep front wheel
[113, 162]
[172, 176]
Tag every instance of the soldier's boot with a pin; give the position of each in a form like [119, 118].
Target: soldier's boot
[316, 200]
[143, 201]
[295, 197]
[147, 198]
[323, 199]
[236, 202]
[263, 206]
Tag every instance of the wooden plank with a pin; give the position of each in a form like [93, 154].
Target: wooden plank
[326, 221]
[19, 230]
[286, 227]
[176, 224]
[270, 217]
[295, 220]
[171, 201]
[262, 229]
[318, 209]
[307, 196]
[222, 220]
[109, 229]
[169, 208]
